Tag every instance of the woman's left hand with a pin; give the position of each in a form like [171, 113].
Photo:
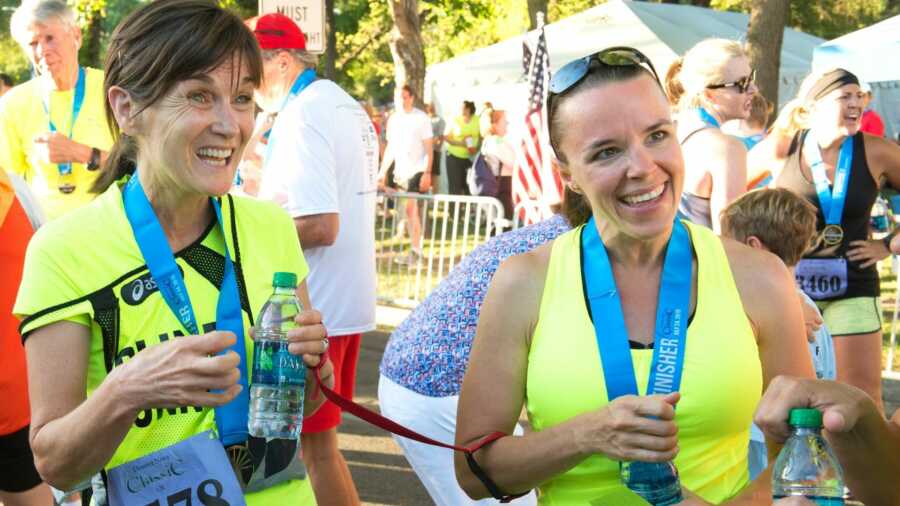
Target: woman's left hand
[309, 338]
[867, 253]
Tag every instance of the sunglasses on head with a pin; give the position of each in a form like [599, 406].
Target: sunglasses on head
[743, 84]
[573, 72]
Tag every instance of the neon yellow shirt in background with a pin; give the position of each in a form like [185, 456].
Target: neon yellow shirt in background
[459, 129]
[22, 118]
[720, 386]
[90, 255]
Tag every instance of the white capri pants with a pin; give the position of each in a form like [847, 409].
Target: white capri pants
[434, 417]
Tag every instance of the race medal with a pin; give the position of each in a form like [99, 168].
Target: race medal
[832, 235]
[822, 278]
[831, 200]
[193, 471]
[241, 463]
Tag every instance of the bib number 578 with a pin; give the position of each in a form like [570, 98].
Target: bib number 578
[206, 496]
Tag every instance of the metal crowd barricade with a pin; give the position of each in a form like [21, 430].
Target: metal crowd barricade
[889, 364]
[451, 227]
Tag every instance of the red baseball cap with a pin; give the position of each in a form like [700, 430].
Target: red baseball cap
[277, 31]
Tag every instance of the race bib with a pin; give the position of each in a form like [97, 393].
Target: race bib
[822, 278]
[194, 471]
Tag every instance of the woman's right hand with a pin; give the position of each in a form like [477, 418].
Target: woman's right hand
[182, 372]
[632, 427]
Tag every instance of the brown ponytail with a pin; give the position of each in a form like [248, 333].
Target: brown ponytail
[673, 87]
[119, 163]
[576, 208]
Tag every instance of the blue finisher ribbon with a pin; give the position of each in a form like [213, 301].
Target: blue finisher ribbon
[65, 168]
[708, 118]
[231, 419]
[609, 322]
[831, 201]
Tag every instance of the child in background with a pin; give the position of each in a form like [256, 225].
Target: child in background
[783, 223]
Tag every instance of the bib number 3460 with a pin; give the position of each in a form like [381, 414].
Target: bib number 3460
[193, 472]
[822, 278]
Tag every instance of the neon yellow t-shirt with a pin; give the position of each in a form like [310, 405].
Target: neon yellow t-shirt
[459, 129]
[23, 117]
[86, 267]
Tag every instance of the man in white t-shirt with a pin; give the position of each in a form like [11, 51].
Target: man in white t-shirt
[321, 165]
[409, 146]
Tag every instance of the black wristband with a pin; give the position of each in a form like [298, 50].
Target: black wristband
[94, 162]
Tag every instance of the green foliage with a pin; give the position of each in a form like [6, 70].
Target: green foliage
[824, 18]
[560, 9]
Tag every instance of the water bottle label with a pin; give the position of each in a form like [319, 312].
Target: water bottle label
[820, 501]
[273, 364]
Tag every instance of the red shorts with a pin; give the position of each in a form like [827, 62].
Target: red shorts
[343, 351]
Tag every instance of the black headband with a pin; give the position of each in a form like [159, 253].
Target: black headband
[830, 82]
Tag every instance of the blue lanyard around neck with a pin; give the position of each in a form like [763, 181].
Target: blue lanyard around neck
[77, 101]
[672, 314]
[708, 118]
[831, 201]
[231, 419]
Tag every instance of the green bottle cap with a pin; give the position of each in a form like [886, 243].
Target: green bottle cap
[805, 417]
[284, 280]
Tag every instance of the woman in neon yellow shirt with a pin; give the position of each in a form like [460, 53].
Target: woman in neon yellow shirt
[463, 139]
[728, 318]
[138, 342]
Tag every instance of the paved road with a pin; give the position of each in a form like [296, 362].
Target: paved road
[380, 471]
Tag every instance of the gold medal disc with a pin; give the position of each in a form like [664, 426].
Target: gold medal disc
[833, 235]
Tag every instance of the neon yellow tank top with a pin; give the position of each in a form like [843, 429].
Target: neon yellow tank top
[721, 384]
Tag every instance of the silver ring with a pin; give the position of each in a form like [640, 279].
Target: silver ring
[325, 342]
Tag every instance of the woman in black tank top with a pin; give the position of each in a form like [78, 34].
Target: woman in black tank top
[812, 136]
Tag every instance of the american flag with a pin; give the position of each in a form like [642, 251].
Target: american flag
[534, 182]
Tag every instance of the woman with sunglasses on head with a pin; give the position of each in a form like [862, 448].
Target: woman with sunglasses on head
[711, 84]
[817, 150]
[579, 345]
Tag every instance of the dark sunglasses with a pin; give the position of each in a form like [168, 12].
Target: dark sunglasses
[573, 72]
[742, 84]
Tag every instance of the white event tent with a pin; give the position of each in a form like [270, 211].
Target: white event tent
[873, 54]
[661, 31]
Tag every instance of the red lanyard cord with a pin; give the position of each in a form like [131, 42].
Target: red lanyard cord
[395, 428]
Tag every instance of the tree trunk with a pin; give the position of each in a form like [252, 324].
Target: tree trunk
[330, 40]
[535, 6]
[94, 34]
[764, 36]
[406, 47]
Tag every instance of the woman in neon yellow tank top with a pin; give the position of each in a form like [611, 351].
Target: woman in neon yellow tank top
[615, 144]
[123, 371]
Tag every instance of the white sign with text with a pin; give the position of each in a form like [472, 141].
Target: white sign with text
[309, 16]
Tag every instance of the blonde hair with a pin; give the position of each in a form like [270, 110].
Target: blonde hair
[794, 116]
[782, 220]
[702, 65]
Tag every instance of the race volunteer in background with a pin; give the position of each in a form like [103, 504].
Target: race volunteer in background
[53, 131]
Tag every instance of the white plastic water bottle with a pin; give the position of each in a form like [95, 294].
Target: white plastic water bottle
[806, 466]
[278, 378]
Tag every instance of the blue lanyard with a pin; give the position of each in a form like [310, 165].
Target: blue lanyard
[831, 201]
[609, 323]
[77, 101]
[708, 118]
[231, 419]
